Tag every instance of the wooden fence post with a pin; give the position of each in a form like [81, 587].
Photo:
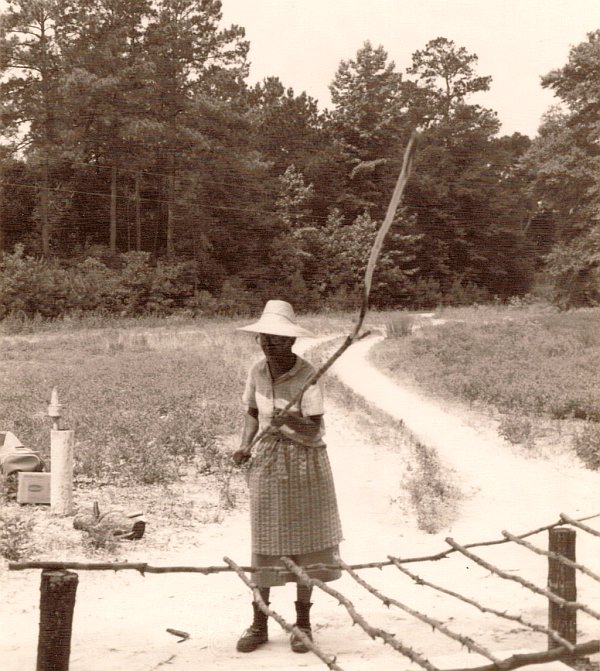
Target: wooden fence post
[562, 582]
[57, 601]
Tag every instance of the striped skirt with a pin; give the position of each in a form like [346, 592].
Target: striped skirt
[293, 507]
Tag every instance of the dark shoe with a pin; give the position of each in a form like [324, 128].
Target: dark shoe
[256, 634]
[251, 639]
[296, 642]
[303, 623]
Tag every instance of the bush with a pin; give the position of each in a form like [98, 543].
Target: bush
[237, 300]
[424, 293]
[399, 326]
[433, 492]
[29, 287]
[587, 446]
[15, 534]
[465, 293]
[515, 428]
[574, 270]
[32, 287]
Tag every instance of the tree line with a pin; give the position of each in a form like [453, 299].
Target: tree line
[129, 127]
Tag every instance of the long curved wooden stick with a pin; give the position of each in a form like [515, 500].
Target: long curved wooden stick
[354, 336]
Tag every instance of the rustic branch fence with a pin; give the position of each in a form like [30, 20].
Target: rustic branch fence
[59, 584]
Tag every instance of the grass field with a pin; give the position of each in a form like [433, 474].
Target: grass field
[143, 398]
[141, 403]
[152, 400]
[528, 363]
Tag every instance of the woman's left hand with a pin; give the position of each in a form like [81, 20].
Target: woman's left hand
[278, 421]
[241, 456]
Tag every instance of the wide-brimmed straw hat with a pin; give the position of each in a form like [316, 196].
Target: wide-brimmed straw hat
[278, 318]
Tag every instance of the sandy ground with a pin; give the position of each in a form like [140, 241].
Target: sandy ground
[121, 618]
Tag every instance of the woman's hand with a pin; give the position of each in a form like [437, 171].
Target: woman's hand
[241, 455]
[278, 420]
[291, 423]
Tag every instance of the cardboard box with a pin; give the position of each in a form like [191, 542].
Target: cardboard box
[33, 488]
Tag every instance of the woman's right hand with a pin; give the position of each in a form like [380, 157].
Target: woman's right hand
[241, 456]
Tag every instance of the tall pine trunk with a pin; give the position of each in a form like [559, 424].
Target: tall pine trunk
[48, 136]
[113, 209]
[44, 198]
[170, 206]
[138, 214]
[1, 208]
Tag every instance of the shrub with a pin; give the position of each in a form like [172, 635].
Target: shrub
[515, 428]
[424, 293]
[30, 287]
[237, 300]
[587, 446]
[432, 491]
[15, 534]
[399, 326]
[465, 293]
[574, 270]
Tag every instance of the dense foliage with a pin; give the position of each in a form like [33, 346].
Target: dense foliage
[130, 127]
[563, 170]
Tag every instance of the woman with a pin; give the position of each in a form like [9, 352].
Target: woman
[293, 506]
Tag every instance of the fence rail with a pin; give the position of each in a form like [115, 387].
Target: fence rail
[563, 604]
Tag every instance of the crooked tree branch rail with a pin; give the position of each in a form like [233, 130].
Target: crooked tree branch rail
[143, 567]
[562, 603]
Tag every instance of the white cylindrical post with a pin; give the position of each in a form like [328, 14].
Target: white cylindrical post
[61, 461]
[61, 472]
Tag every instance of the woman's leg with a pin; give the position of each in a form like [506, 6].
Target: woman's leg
[303, 593]
[257, 632]
[303, 605]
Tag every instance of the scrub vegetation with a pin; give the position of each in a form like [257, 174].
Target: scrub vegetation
[144, 405]
[155, 403]
[527, 363]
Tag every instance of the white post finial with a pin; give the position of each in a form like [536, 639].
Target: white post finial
[55, 409]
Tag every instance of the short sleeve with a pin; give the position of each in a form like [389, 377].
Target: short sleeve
[312, 401]
[249, 395]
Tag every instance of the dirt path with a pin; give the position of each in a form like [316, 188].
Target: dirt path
[504, 488]
[121, 618]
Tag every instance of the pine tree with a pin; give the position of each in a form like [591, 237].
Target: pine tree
[370, 125]
[31, 67]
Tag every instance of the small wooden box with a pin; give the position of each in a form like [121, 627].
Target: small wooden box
[33, 488]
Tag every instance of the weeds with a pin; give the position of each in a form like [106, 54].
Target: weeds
[15, 534]
[546, 364]
[101, 539]
[399, 326]
[430, 486]
[433, 493]
[515, 428]
[587, 446]
[142, 405]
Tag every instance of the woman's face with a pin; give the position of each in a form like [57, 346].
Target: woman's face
[275, 347]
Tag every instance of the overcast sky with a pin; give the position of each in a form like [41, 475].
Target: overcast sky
[517, 41]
